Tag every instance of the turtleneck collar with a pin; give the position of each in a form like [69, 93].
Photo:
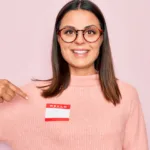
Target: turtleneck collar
[88, 80]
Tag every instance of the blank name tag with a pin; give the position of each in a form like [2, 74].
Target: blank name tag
[57, 112]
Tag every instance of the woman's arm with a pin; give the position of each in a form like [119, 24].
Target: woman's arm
[135, 132]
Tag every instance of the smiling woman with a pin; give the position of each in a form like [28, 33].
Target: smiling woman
[85, 106]
[81, 47]
[85, 44]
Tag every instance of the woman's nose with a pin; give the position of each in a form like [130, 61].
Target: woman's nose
[80, 38]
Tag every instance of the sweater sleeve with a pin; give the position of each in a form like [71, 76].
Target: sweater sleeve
[135, 137]
[1, 122]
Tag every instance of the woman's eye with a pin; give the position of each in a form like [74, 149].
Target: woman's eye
[69, 32]
[90, 32]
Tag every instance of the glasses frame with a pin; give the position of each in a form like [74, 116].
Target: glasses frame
[59, 33]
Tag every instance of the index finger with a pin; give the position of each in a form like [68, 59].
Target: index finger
[18, 91]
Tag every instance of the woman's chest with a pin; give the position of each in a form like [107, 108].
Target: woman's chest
[87, 125]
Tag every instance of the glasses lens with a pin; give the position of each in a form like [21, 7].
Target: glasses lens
[68, 34]
[92, 34]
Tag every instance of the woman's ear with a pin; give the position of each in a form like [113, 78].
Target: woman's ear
[102, 38]
[58, 38]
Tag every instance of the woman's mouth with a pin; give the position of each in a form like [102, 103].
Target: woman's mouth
[80, 53]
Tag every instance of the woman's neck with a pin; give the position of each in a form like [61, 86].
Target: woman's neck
[86, 80]
[82, 71]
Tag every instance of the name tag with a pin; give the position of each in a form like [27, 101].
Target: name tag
[57, 112]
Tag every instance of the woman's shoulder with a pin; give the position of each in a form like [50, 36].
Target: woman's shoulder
[129, 92]
[126, 86]
[34, 85]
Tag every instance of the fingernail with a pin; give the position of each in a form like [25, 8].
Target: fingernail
[26, 97]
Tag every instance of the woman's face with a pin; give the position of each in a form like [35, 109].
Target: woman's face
[80, 54]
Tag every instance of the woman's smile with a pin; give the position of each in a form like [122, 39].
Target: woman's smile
[81, 53]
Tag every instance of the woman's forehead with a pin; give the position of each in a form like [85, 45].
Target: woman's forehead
[79, 19]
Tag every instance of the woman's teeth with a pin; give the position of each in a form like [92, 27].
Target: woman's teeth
[80, 51]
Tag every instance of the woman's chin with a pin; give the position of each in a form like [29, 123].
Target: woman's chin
[81, 66]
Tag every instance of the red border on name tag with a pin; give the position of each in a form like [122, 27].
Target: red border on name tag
[61, 106]
[56, 119]
[58, 106]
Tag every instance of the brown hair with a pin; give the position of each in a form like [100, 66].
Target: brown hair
[103, 64]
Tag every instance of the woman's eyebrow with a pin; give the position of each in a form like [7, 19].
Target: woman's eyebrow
[68, 26]
[88, 26]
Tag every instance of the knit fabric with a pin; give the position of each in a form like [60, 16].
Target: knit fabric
[94, 123]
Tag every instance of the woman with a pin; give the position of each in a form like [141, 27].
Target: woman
[84, 105]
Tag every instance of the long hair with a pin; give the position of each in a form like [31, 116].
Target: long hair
[103, 64]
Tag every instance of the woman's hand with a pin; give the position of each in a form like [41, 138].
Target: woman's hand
[8, 91]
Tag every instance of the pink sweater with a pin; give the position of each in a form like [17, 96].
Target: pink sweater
[88, 121]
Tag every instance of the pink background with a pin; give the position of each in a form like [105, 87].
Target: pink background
[26, 28]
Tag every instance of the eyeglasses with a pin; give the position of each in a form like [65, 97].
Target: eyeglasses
[69, 34]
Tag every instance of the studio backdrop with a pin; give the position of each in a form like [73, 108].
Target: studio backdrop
[26, 29]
